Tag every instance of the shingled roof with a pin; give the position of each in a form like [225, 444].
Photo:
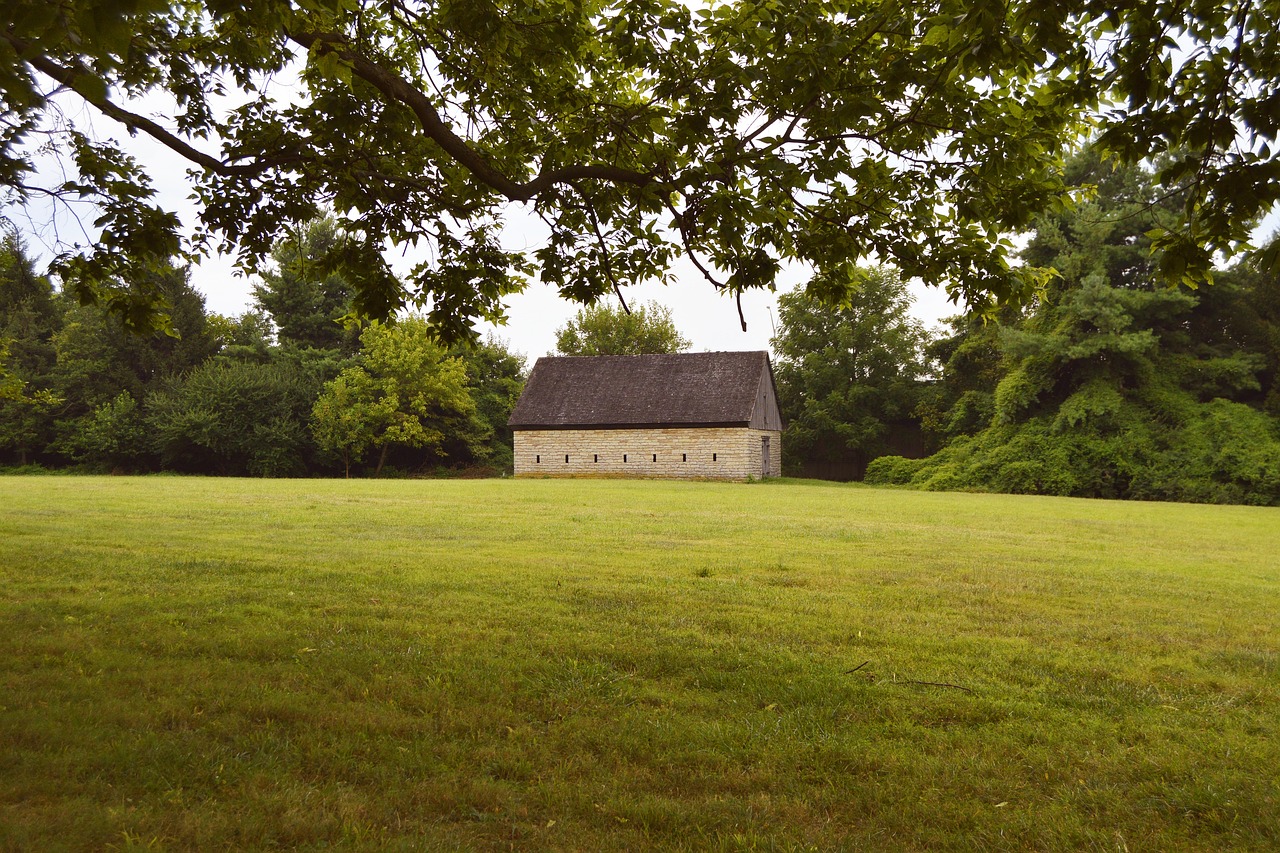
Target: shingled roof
[683, 389]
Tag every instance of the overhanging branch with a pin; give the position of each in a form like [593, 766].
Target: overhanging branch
[74, 78]
[396, 88]
[391, 85]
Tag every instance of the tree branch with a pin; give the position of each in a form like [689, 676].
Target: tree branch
[688, 248]
[70, 76]
[396, 88]
[389, 84]
[604, 246]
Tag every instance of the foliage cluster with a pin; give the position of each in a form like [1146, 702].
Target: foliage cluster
[1111, 386]
[743, 135]
[405, 391]
[850, 377]
[603, 329]
[286, 390]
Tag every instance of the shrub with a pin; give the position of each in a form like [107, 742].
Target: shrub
[1226, 453]
[113, 435]
[891, 470]
[235, 418]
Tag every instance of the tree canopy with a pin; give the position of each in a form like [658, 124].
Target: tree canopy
[846, 375]
[307, 303]
[1112, 386]
[406, 391]
[742, 135]
[220, 396]
[643, 329]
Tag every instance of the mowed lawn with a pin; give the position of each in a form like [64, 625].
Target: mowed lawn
[600, 665]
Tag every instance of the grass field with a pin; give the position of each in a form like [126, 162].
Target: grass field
[559, 665]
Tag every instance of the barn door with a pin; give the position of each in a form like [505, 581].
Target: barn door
[765, 470]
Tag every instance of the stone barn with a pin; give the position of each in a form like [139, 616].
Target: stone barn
[711, 415]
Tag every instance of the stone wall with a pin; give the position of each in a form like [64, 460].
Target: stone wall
[711, 453]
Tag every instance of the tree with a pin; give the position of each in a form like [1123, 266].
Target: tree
[970, 365]
[1244, 308]
[845, 376]
[29, 319]
[604, 330]
[23, 411]
[114, 435]
[742, 135]
[29, 310]
[306, 301]
[79, 368]
[350, 415]
[97, 359]
[232, 418]
[404, 392]
[1115, 386]
[12, 387]
[495, 379]
[244, 337]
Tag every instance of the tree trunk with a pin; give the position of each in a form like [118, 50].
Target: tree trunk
[382, 459]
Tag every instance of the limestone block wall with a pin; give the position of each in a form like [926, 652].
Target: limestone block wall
[712, 453]
[755, 449]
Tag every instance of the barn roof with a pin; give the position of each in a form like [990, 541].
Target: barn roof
[704, 389]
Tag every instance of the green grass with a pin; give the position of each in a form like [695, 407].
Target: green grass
[603, 665]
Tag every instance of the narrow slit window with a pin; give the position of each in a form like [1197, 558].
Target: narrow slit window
[713, 457]
[537, 458]
[566, 459]
[624, 457]
[655, 457]
[684, 457]
[595, 457]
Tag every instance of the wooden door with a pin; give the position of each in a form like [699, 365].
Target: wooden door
[765, 469]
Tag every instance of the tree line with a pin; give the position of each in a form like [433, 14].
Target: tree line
[296, 386]
[1110, 384]
[288, 388]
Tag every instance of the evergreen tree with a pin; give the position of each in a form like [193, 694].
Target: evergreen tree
[1115, 386]
[305, 300]
[98, 359]
[970, 365]
[1243, 309]
[30, 316]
